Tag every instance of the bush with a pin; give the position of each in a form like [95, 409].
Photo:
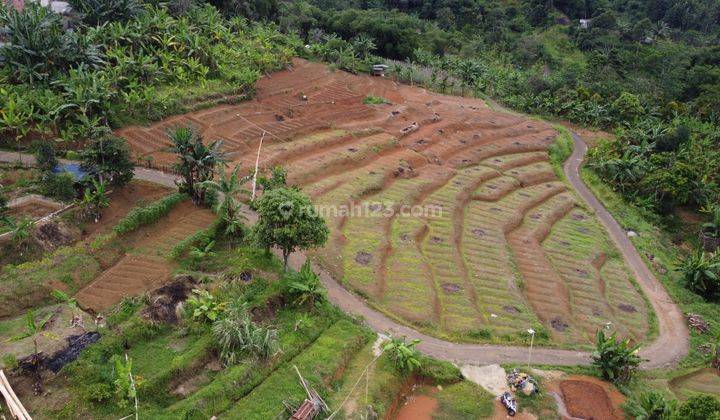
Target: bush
[146, 215]
[374, 100]
[441, 372]
[72, 155]
[236, 334]
[701, 274]
[650, 405]
[45, 156]
[616, 359]
[60, 187]
[98, 12]
[699, 407]
[108, 158]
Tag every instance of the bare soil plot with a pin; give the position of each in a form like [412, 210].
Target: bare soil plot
[444, 214]
[146, 266]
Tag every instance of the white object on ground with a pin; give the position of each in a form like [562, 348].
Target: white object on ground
[491, 377]
[377, 345]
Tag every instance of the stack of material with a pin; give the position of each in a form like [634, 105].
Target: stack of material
[697, 323]
[14, 405]
[521, 381]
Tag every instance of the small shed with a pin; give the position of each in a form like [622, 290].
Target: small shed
[379, 70]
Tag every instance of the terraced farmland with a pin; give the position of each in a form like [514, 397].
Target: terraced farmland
[444, 214]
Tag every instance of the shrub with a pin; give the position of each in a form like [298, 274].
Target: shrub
[108, 158]
[439, 371]
[699, 407]
[60, 187]
[72, 155]
[45, 156]
[616, 359]
[146, 215]
[204, 307]
[650, 405]
[98, 12]
[236, 335]
[304, 287]
[374, 100]
[701, 274]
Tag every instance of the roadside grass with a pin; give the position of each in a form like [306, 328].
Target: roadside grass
[662, 257]
[382, 384]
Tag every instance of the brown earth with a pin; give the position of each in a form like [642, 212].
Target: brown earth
[122, 200]
[590, 398]
[419, 136]
[146, 266]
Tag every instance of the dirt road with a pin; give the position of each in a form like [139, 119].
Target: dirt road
[671, 344]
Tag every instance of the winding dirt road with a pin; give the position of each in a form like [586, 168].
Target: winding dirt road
[671, 344]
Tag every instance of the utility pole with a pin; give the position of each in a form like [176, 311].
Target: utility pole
[257, 163]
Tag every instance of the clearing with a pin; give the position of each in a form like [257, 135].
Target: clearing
[445, 215]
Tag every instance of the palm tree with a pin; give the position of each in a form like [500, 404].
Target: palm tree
[32, 329]
[20, 232]
[227, 207]
[616, 359]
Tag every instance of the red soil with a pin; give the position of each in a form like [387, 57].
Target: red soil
[147, 266]
[590, 398]
[419, 134]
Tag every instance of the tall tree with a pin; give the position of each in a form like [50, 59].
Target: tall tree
[289, 221]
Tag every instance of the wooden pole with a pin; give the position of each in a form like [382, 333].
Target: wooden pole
[14, 404]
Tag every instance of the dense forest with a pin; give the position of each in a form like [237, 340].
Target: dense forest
[644, 70]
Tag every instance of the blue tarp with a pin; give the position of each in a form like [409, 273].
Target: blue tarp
[71, 168]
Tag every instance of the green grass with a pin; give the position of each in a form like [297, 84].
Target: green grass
[651, 240]
[318, 363]
[463, 400]
[374, 100]
[560, 150]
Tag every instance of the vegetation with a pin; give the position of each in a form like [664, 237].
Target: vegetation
[236, 334]
[228, 207]
[148, 214]
[403, 354]
[124, 62]
[288, 220]
[94, 200]
[197, 163]
[204, 307]
[107, 159]
[616, 358]
[304, 287]
[701, 274]
[651, 405]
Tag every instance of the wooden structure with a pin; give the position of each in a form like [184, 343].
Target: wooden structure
[313, 404]
[14, 405]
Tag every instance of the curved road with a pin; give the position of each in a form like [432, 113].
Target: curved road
[671, 344]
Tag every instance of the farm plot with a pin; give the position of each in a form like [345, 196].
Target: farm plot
[443, 213]
[145, 266]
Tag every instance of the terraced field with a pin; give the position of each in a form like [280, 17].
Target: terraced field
[146, 266]
[444, 214]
